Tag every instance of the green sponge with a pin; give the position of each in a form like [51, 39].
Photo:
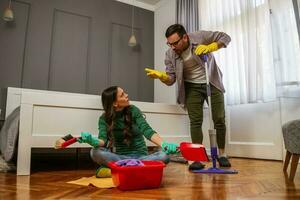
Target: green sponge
[103, 172]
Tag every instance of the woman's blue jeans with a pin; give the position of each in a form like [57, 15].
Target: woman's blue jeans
[103, 156]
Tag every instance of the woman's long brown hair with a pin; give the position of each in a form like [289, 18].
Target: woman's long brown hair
[108, 97]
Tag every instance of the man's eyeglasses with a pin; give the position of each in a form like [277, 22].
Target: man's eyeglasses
[174, 43]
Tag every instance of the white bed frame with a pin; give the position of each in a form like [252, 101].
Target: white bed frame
[46, 116]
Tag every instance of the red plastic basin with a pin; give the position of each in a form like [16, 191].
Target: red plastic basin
[137, 177]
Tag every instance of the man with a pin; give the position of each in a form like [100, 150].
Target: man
[184, 65]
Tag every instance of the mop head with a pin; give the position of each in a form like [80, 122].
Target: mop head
[216, 171]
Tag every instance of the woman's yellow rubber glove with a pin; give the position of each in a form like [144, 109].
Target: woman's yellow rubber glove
[157, 74]
[204, 49]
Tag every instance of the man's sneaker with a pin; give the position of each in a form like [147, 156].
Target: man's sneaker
[224, 162]
[103, 172]
[196, 166]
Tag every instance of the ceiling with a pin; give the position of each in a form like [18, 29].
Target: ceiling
[150, 2]
[145, 4]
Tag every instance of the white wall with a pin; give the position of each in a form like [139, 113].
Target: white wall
[164, 16]
[290, 109]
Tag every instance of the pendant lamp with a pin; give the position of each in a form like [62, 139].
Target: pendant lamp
[8, 15]
[132, 39]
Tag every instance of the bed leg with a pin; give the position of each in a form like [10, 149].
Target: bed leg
[25, 137]
[23, 162]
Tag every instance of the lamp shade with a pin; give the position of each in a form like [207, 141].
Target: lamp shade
[132, 41]
[8, 15]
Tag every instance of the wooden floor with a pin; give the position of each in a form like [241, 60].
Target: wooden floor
[257, 179]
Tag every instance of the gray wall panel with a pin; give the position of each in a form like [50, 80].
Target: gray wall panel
[37, 52]
[12, 40]
[125, 60]
[99, 48]
[144, 23]
[146, 90]
[68, 71]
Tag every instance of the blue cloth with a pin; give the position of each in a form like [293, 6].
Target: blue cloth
[103, 156]
[129, 162]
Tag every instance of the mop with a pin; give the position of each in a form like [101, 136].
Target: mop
[212, 133]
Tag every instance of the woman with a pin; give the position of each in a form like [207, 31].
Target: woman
[122, 128]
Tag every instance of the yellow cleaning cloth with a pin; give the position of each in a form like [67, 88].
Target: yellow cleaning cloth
[97, 182]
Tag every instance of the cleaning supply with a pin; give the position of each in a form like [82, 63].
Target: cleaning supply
[137, 177]
[94, 181]
[212, 133]
[170, 148]
[193, 152]
[86, 137]
[103, 172]
[202, 49]
[178, 158]
[157, 74]
[65, 141]
[129, 162]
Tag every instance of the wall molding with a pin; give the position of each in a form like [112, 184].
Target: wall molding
[25, 40]
[52, 40]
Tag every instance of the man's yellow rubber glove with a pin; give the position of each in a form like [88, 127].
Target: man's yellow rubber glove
[204, 49]
[157, 74]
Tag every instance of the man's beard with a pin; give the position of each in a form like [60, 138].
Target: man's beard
[179, 51]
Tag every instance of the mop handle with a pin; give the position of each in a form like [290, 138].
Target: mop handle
[204, 57]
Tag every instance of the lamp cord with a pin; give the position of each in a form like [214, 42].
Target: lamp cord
[132, 19]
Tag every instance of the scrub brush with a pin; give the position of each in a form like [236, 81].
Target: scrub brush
[65, 141]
